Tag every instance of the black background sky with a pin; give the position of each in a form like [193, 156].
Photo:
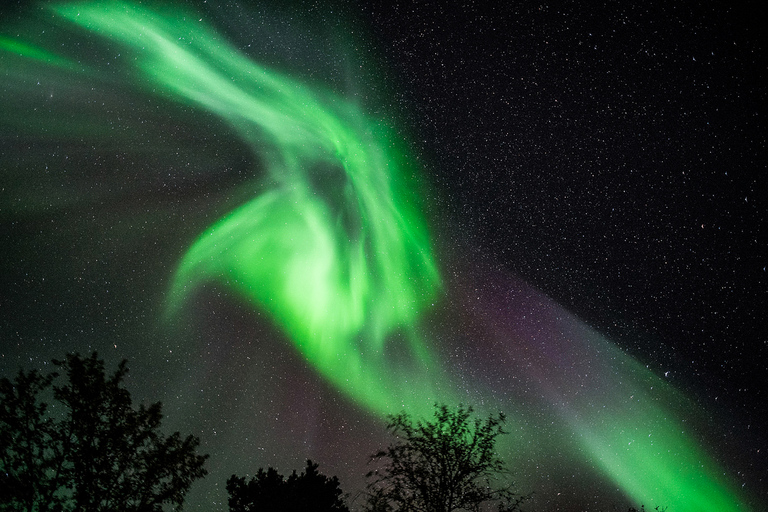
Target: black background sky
[611, 154]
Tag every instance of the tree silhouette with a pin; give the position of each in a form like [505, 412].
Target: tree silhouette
[90, 450]
[31, 461]
[443, 465]
[269, 491]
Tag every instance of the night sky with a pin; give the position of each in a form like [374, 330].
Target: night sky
[294, 220]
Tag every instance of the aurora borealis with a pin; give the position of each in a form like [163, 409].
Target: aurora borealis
[364, 255]
[265, 246]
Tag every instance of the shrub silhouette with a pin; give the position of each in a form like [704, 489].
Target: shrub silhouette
[269, 491]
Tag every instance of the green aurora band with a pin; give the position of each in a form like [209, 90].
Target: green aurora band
[336, 249]
[288, 250]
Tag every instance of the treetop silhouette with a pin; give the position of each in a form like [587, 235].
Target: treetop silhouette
[445, 464]
[89, 450]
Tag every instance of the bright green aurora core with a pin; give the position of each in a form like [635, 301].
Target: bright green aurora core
[339, 278]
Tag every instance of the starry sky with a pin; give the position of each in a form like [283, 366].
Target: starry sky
[296, 219]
